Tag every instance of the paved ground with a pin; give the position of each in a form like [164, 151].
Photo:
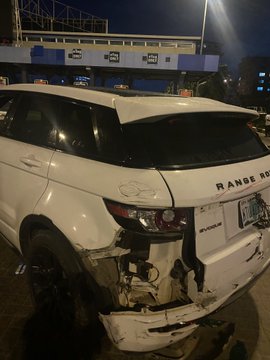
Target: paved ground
[250, 315]
[15, 304]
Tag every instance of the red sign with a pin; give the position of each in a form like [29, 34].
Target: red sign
[186, 92]
[40, 81]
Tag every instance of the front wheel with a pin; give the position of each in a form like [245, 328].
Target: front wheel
[63, 298]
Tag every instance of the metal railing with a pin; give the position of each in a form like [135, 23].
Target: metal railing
[53, 15]
[111, 39]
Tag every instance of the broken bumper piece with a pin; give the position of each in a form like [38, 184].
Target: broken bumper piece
[147, 330]
[151, 330]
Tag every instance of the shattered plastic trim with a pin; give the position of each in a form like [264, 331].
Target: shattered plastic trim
[128, 329]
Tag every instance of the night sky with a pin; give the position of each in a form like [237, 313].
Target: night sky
[241, 26]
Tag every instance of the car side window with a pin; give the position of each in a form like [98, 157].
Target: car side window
[108, 134]
[6, 102]
[91, 131]
[75, 129]
[35, 120]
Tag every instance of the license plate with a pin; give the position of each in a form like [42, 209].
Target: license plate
[249, 211]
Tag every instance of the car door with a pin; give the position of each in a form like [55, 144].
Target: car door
[27, 135]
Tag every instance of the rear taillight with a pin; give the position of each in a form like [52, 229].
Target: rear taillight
[151, 220]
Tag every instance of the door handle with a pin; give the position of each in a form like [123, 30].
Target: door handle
[30, 162]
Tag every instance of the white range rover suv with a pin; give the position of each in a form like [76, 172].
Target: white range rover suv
[140, 212]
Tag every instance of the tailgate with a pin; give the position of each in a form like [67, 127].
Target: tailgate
[231, 224]
[232, 243]
[195, 187]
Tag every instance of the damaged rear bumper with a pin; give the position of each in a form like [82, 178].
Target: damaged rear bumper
[150, 330]
[147, 330]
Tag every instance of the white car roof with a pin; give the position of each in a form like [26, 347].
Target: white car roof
[133, 108]
[72, 92]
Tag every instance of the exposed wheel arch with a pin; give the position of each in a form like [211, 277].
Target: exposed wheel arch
[34, 223]
[60, 287]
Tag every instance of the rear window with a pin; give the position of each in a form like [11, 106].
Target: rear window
[192, 140]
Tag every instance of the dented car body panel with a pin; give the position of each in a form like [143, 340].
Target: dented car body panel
[72, 180]
[167, 206]
[162, 328]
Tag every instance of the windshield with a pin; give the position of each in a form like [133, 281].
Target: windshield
[192, 140]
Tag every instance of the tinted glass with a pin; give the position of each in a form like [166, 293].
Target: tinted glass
[35, 120]
[76, 134]
[192, 140]
[91, 131]
[108, 134]
[5, 105]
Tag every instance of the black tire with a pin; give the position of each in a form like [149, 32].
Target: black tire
[66, 318]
